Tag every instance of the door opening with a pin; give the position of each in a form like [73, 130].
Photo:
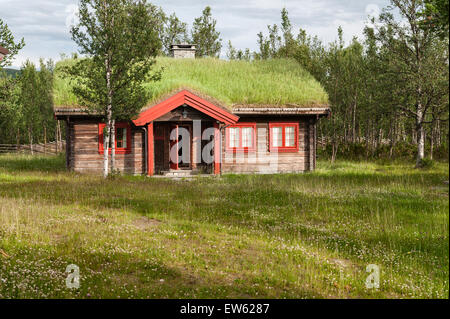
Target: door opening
[180, 146]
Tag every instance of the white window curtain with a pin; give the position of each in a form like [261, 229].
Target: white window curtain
[277, 136]
[234, 136]
[289, 136]
[247, 137]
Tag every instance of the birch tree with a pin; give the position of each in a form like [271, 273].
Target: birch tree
[7, 41]
[205, 35]
[174, 32]
[119, 39]
[415, 61]
[29, 99]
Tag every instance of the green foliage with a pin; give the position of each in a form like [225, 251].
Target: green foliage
[279, 82]
[205, 36]
[233, 54]
[415, 60]
[7, 41]
[10, 110]
[436, 16]
[126, 33]
[36, 101]
[425, 163]
[175, 32]
[10, 113]
[392, 86]
[29, 97]
[11, 72]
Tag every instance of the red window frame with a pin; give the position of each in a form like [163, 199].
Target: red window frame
[120, 150]
[284, 148]
[240, 148]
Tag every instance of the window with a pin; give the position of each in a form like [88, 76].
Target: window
[283, 137]
[123, 138]
[241, 137]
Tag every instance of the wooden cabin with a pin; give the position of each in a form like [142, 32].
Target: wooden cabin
[189, 132]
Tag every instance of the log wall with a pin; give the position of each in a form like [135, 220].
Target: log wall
[264, 161]
[83, 154]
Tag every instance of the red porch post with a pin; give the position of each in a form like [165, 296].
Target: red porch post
[217, 148]
[150, 150]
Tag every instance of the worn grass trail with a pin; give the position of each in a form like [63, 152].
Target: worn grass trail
[289, 235]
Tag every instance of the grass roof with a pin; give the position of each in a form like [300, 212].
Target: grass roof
[277, 82]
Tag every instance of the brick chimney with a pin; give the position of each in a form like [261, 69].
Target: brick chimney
[183, 51]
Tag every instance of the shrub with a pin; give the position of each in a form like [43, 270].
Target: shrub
[425, 163]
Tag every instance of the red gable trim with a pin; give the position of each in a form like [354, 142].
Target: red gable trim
[185, 97]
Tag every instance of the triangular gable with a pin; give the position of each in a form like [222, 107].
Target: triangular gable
[188, 98]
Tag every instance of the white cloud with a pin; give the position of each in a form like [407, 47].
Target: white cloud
[45, 24]
[72, 15]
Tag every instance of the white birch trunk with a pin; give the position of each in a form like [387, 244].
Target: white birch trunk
[420, 136]
[113, 145]
[106, 151]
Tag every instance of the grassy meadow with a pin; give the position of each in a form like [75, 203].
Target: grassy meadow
[269, 236]
[280, 82]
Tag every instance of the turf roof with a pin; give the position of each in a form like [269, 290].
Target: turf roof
[270, 83]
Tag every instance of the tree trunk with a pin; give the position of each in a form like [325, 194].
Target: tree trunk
[113, 145]
[18, 140]
[56, 137]
[108, 69]
[322, 138]
[60, 135]
[354, 120]
[431, 142]
[30, 138]
[414, 136]
[334, 151]
[108, 118]
[438, 133]
[420, 137]
[105, 151]
[45, 140]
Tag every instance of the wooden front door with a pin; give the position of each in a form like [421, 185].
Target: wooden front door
[173, 146]
[180, 133]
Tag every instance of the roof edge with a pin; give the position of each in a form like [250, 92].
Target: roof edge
[282, 111]
[237, 111]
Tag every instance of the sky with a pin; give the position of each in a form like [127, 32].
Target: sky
[45, 24]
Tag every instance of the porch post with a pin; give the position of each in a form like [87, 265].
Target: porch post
[150, 150]
[217, 148]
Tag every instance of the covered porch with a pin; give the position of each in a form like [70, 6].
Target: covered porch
[183, 135]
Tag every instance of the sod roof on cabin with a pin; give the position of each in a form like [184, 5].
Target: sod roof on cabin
[277, 83]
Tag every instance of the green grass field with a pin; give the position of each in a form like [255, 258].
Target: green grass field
[270, 236]
[280, 82]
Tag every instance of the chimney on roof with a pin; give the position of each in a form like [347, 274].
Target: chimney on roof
[183, 51]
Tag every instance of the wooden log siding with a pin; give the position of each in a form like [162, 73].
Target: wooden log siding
[264, 161]
[311, 145]
[83, 154]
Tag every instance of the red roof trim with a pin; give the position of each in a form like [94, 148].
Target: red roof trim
[185, 97]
